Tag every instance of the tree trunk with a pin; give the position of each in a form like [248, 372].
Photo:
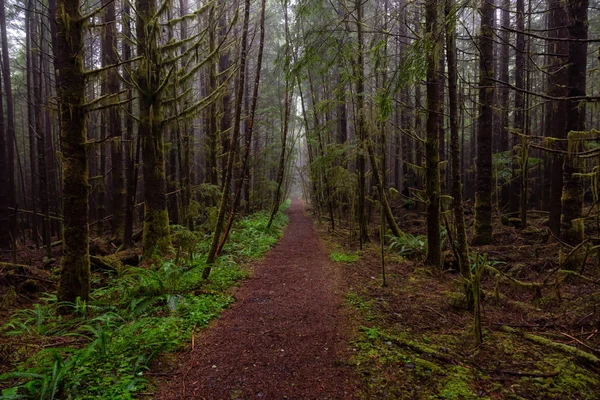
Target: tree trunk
[289, 88]
[519, 122]
[212, 254]
[212, 129]
[32, 115]
[557, 81]
[572, 222]
[157, 238]
[360, 109]
[5, 240]
[462, 246]
[114, 123]
[503, 95]
[9, 133]
[483, 187]
[132, 159]
[249, 131]
[41, 147]
[75, 263]
[432, 168]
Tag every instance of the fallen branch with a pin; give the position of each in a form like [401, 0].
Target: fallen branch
[532, 374]
[420, 349]
[578, 275]
[580, 354]
[579, 341]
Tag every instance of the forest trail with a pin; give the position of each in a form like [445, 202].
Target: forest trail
[286, 336]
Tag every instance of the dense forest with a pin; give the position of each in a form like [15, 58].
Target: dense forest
[446, 149]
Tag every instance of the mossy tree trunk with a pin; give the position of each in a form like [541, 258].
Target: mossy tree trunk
[519, 121]
[572, 223]
[132, 152]
[317, 131]
[557, 81]
[4, 188]
[361, 128]
[111, 57]
[9, 133]
[75, 263]
[483, 187]
[503, 95]
[462, 246]
[383, 198]
[186, 154]
[40, 139]
[212, 130]
[157, 238]
[32, 117]
[432, 168]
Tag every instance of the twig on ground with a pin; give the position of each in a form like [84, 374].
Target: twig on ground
[532, 374]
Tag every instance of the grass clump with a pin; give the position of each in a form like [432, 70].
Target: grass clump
[341, 257]
[106, 347]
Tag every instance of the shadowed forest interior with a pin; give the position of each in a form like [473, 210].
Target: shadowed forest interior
[152, 152]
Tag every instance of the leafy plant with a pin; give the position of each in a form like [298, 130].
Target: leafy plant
[125, 325]
[408, 245]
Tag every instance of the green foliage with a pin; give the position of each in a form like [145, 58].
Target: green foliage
[408, 245]
[341, 257]
[502, 165]
[285, 205]
[110, 342]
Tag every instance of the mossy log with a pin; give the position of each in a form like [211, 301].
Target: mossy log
[420, 348]
[579, 354]
[116, 261]
[13, 267]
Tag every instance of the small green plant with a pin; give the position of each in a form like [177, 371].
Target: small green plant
[408, 245]
[285, 205]
[341, 257]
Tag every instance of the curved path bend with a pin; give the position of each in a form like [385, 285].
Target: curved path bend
[286, 337]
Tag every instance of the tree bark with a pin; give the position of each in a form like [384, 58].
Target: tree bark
[249, 131]
[157, 238]
[483, 188]
[572, 223]
[462, 246]
[557, 85]
[132, 159]
[75, 263]
[114, 123]
[289, 88]
[432, 168]
[239, 98]
[360, 109]
[519, 122]
[503, 95]
[9, 133]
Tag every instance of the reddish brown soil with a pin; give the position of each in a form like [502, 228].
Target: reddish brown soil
[285, 338]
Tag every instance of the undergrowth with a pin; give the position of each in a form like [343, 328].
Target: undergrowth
[105, 348]
[341, 257]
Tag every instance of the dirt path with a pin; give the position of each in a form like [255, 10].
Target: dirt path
[285, 337]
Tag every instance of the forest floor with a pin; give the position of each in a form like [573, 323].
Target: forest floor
[313, 321]
[414, 337]
[286, 336]
[304, 327]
